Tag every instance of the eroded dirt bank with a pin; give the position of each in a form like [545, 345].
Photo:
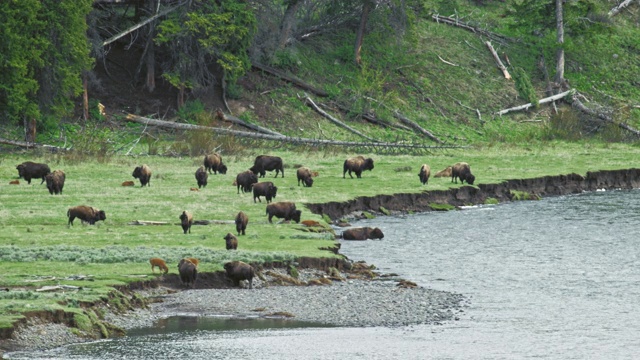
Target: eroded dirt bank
[469, 195]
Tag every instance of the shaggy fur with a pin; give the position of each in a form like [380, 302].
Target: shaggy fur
[304, 175]
[214, 163]
[357, 165]
[143, 173]
[160, 264]
[425, 172]
[264, 163]
[188, 272]
[186, 220]
[462, 171]
[362, 233]
[55, 182]
[241, 222]
[29, 170]
[201, 177]
[283, 210]
[266, 189]
[231, 241]
[443, 173]
[244, 180]
[194, 261]
[86, 214]
[238, 271]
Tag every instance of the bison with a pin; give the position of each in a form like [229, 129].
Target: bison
[128, 183]
[188, 272]
[425, 172]
[241, 222]
[266, 189]
[55, 181]
[86, 214]
[194, 261]
[462, 171]
[238, 271]
[186, 220]
[30, 170]
[244, 180]
[201, 177]
[232, 241]
[443, 173]
[283, 210]
[143, 173]
[305, 175]
[357, 165]
[214, 163]
[264, 163]
[362, 233]
[159, 263]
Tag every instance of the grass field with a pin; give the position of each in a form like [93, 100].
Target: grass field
[36, 243]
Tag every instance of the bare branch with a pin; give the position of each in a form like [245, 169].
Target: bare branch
[541, 101]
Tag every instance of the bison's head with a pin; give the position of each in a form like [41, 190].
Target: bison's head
[376, 233]
[368, 164]
[222, 169]
[470, 179]
[308, 181]
[101, 215]
[296, 216]
[20, 169]
[273, 191]
[137, 172]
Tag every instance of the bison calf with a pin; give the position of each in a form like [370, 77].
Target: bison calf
[462, 171]
[214, 163]
[159, 263]
[201, 177]
[446, 172]
[238, 271]
[264, 163]
[86, 214]
[143, 173]
[232, 241]
[362, 233]
[244, 180]
[304, 175]
[241, 222]
[266, 189]
[55, 182]
[30, 170]
[188, 272]
[357, 165]
[283, 210]
[425, 172]
[186, 220]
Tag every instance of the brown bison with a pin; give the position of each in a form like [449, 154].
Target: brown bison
[266, 189]
[443, 173]
[160, 264]
[462, 171]
[188, 272]
[238, 271]
[214, 163]
[362, 233]
[143, 173]
[264, 163]
[86, 214]
[194, 261]
[128, 183]
[283, 210]
[305, 175]
[232, 241]
[14, 182]
[201, 177]
[425, 172]
[357, 165]
[186, 220]
[310, 223]
[241, 222]
[55, 181]
[30, 170]
[244, 180]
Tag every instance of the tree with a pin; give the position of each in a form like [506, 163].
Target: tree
[560, 36]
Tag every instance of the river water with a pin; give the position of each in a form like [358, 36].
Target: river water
[552, 279]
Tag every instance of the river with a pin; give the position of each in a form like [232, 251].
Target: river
[557, 278]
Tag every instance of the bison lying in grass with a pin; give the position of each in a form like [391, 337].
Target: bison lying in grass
[357, 165]
[29, 170]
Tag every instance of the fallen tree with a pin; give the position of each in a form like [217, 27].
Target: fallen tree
[30, 145]
[315, 107]
[576, 103]
[417, 127]
[541, 101]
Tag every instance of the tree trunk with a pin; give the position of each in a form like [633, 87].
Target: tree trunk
[366, 9]
[151, 60]
[287, 22]
[560, 53]
[85, 98]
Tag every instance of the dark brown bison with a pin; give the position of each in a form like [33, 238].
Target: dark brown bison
[266, 189]
[241, 222]
[264, 163]
[305, 175]
[283, 210]
[362, 233]
[462, 171]
[29, 170]
[201, 177]
[443, 173]
[186, 220]
[231, 241]
[357, 165]
[188, 272]
[425, 172]
[214, 163]
[244, 180]
[55, 181]
[159, 263]
[238, 271]
[143, 173]
[86, 214]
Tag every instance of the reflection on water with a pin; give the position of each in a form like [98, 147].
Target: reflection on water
[552, 279]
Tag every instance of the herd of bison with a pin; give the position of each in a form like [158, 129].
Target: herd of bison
[246, 181]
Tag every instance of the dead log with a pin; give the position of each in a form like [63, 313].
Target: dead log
[417, 127]
[315, 107]
[369, 117]
[541, 101]
[148, 222]
[455, 22]
[290, 79]
[619, 8]
[576, 103]
[30, 145]
[501, 66]
[232, 119]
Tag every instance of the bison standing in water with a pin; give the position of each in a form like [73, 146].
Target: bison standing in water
[85, 213]
[214, 163]
[283, 210]
[264, 163]
[245, 180]
[357, 165]
[55, 181]
[29, 170]
[362, 233]
[425, 172]
[143, 173]
[241, 222]
[238, 271]
[201, 177]
[266, 189]
[462, 171]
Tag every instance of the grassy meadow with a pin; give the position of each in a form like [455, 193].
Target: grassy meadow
[36, 243]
